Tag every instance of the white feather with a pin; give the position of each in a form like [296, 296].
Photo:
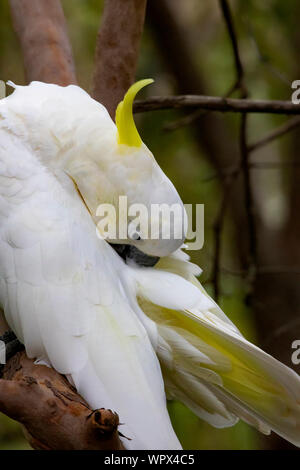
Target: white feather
[60, 291]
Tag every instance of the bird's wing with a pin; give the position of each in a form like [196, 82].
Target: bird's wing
[62, 296]
[206, 362]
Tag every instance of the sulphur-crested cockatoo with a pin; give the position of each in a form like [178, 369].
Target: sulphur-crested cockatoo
[61, 286]
[78, 306]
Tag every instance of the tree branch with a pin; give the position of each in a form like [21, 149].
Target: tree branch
[117, 50]
[218, 228]
[249, 198]
[280, 131]
[216, 103]
[54, 415]
[239, 84]
[41, 28]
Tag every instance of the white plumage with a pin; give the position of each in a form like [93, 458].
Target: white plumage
[62, 295]
[209, 366]
[77, 306]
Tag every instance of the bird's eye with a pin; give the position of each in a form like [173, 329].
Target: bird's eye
[133, 232]
[135, 236]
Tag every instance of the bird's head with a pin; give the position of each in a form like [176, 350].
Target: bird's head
[156, 218]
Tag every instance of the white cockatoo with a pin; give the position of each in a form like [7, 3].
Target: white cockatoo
[103, 320]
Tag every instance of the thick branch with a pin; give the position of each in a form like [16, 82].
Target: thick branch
[117, 50]
[54, 415]
[41, 29]
[216, 103]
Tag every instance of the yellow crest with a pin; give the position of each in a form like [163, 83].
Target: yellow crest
[127, 131]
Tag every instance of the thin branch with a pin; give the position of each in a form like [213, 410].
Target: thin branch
[239, 84]
[249, 199]
[216, 103]
[283, 329]
[117, 49]
[244, 152]
[218, 228]
[291, 124]
[41, 28]
[184, 120]
[223, 173]
[228, 184]
[264, 59]
[212, 134]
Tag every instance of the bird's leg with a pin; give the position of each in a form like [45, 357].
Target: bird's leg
[12, 346]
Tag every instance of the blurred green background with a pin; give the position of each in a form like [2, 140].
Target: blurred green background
[265, 30]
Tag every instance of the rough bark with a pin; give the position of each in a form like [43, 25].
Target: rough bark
[41, 28]
[117, 50]
[54, 415]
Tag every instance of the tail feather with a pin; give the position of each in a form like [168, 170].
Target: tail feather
[208, 365]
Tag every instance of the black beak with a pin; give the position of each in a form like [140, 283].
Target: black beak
[128, 252]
